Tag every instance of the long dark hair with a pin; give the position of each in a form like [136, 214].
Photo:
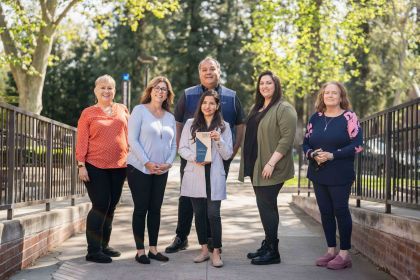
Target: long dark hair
[199, 123]
[259, 99]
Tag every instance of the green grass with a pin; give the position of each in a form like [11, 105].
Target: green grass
[294, 182]
[377, 182]
[372, 182]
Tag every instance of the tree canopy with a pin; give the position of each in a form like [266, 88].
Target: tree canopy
[28, 30]
[371, 46]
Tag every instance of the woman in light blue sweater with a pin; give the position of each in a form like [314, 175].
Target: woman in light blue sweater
[152, 141]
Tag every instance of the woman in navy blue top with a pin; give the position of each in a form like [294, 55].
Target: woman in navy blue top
[333, 137]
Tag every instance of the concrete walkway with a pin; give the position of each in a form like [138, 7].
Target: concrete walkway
[301, 241]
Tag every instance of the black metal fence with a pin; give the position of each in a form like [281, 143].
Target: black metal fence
[388, 169]
[37, 160]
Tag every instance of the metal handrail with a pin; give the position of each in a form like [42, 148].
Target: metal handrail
[388, 169]
[37, 160]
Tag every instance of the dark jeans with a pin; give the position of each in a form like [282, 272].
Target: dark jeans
[147, 191]
[333, 203]
[185, 210]
[267, 207]
[207, 214]
[104, 190]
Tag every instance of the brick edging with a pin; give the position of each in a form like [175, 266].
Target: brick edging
[26, 239]
[387, 240]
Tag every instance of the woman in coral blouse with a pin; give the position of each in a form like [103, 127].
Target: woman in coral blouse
[333, 137]
[101, 153]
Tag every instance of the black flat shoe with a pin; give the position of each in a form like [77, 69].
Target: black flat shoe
[142, 259]
[158, 257]
[98, 257]
[177, 245]
[111, 252]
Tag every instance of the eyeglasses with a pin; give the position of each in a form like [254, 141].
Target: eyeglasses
[162, 89]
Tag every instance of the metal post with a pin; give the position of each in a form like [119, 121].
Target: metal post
[10, 162]
[300, 167]
[388, 135]
[359, 180]
[48, 169]
[129, 96]
[73, 168]
[309, 188]
[146, 60]
[126, 90]
[147, 75]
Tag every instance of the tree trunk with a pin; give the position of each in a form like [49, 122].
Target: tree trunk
[30, 86]
[30, 93]
[194, 42]
[314, 56]
[414, 92]
[299, 106]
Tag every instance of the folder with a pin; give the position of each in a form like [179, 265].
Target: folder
[203, 147]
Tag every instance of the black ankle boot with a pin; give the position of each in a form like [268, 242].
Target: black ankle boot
[271, 255]
[111, 252]
[260, 251]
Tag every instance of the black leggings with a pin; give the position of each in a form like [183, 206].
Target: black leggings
[185, 210]
[205, 208]
[267, 207]
[104, 190]
[147, 191]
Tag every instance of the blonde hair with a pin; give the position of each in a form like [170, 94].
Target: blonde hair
[344, 103]
[146, 97]
[105, 79]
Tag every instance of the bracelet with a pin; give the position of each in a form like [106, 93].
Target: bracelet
[80, 165]
[270, 165]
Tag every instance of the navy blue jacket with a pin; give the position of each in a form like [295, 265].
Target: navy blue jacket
[231, 107]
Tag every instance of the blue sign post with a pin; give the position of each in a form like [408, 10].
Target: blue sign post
[126, 90]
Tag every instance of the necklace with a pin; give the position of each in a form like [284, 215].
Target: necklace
[107, 110]
[157, 113]
[327, 122]
[160, 128]
[332, 118]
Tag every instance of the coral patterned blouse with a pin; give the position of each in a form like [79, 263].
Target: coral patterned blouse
[101, 139]
[341, 136]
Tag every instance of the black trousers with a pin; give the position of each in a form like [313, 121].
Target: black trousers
[267, 207]
[185, 210]
[207, 216]
[147, 191]
[104, 190]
